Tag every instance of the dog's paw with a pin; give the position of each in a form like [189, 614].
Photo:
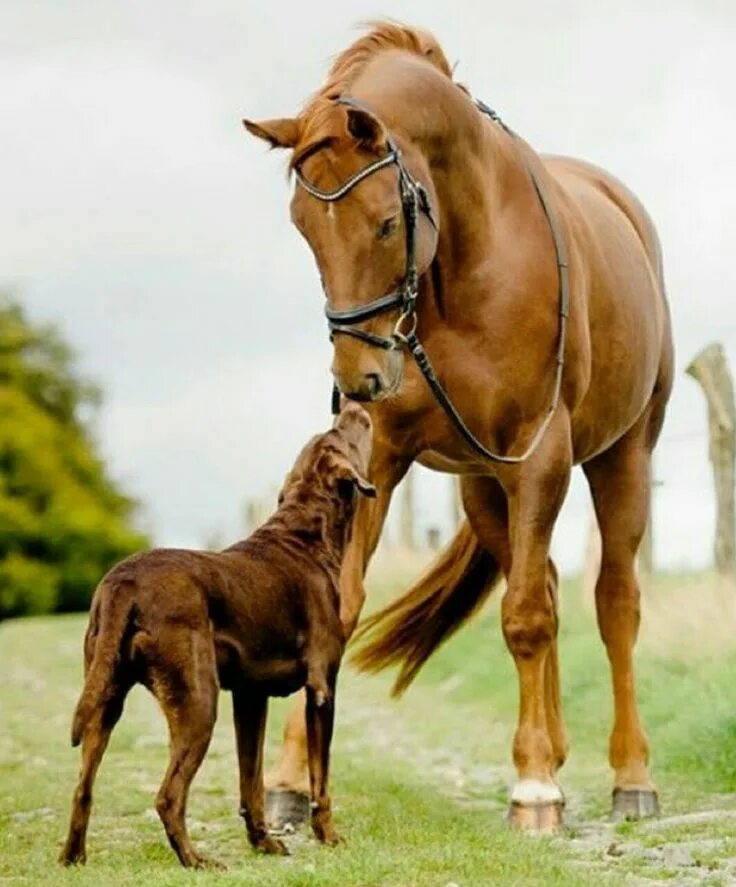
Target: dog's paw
[327, 835]
[198, 861]
[70, 856]
[272, 846]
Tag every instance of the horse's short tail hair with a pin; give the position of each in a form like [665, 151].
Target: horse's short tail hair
[410, 629]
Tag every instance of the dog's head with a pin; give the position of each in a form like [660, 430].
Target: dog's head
[331, 471]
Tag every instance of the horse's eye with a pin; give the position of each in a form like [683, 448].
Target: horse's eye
[387, 227]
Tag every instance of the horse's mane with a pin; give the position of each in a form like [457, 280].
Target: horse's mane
[317, 118]
[381, 37]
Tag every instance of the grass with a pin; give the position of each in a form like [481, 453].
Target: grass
[420, 786]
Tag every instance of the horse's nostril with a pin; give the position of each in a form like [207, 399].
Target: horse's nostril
[375, 383]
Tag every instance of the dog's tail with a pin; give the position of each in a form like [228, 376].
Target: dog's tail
[411, 628]
[109, 619]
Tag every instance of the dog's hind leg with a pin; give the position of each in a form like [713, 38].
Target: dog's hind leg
[188, 697]
[250, 706]
[94, 742]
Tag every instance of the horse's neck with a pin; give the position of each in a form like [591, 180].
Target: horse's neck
[483, 189]
[477, 168]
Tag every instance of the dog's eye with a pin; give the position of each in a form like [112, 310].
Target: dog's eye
[387, 227]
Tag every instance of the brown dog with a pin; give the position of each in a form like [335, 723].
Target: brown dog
[260, 619]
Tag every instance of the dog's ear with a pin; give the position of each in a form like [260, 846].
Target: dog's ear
[350, 481]
[347, 479]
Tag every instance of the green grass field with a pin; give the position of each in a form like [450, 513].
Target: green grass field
[420, 785]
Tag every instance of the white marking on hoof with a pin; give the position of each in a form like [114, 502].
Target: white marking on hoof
[532, 791]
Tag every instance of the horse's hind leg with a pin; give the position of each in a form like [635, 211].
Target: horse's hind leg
[188, 697]
[620, 481]
[94, 742]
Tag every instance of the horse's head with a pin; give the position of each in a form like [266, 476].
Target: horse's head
[355, 184]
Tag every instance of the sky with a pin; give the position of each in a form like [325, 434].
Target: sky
[139, 217]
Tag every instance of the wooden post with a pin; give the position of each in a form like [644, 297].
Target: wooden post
[710, 369]
[407, 511]
[456, 504]
[258, 510]
[645, 555]
[251, 516]
[591, 564]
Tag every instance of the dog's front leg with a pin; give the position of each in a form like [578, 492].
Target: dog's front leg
[320, 720]
[287, 800]
[250, 707]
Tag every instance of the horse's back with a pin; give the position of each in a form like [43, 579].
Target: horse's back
[565, 169]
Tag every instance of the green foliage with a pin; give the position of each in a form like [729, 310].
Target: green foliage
[63, 523]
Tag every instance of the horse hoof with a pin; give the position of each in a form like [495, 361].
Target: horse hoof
[543, 818]
[286, 808]
[634, 803]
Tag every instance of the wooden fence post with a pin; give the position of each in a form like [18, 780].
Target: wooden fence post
[591, 563]
[456, 504]
[408, 539]
[645, 555]
[710, 369]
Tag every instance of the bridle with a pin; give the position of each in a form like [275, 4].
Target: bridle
[414, 197]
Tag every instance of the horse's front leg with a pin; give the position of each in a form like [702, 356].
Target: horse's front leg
[287, 797]
[535, 492]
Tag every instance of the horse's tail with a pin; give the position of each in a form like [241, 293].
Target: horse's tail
[108, 623]
[411, 628]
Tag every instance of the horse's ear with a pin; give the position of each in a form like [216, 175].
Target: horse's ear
[365, 128]
[280, 133]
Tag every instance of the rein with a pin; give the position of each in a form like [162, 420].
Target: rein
[414, 197]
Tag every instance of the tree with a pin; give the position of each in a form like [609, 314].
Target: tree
[63, 522]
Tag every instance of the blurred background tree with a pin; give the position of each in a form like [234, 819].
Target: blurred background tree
[63, 522]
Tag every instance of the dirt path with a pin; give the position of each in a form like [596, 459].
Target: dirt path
[688, 850]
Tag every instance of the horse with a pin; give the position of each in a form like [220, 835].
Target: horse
[502, 316]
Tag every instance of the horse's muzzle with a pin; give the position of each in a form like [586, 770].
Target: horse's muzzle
[365, 389]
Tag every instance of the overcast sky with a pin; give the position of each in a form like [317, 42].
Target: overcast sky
[138, 215]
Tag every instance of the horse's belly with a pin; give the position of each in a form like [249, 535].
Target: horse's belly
[623, 377]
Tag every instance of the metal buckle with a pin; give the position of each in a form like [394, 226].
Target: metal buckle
[400, 335]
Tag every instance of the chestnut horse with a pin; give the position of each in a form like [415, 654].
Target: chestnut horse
[535, 286]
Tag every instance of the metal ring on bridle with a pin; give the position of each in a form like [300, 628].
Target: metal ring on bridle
[402, 336]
